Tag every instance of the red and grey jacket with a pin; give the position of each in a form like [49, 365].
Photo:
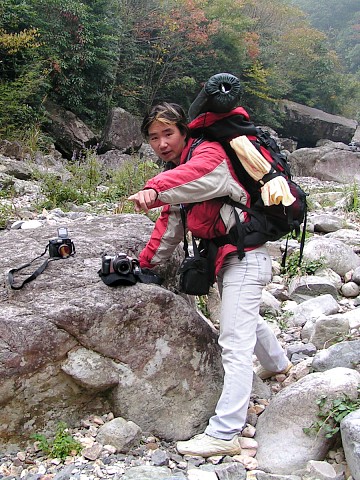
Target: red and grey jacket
[206, 181]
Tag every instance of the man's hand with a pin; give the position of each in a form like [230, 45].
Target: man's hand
[144, 199]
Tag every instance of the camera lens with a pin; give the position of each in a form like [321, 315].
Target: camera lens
[122, 265]
[64, 250]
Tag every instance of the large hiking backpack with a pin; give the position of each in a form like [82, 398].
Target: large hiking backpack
[267, 222]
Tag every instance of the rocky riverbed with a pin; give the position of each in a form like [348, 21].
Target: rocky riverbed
[153, 458]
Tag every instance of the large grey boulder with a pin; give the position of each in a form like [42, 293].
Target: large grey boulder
[280, 427]
[121, 132]
[303, 288]
[326, 222]
[10, 167]
[114, 160]
[313, 308]
[343, 354]
[326, 330]
[356, 137]
[330, 162]
[347, 236]
[12, 149]
[71, 346]
[148, 472]
[70, 134]
[333, 253]
[350, 435]
[308, 125]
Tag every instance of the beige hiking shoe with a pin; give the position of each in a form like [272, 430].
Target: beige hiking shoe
[206, 446]
[264, 374]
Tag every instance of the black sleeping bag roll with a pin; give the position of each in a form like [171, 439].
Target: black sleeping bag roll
[220, 94]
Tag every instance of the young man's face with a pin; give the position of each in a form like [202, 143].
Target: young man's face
[167, 141]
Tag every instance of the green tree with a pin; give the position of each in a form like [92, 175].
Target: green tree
[77, 47]
[329, 14]
[167, 37]
[80, 41]
[91, 55]
[23, 80]
[341, 23]
[20, 40]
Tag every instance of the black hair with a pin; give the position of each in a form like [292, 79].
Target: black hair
[168, 113]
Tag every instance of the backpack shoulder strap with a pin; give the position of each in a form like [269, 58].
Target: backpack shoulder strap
[195, 144]
[250, 185]
[280, 162]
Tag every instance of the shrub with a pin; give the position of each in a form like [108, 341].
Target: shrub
[86, 175]
[6, 214]
[353, 198]
[61, 446]
[79, 187]
[331, 415]
[307, 267]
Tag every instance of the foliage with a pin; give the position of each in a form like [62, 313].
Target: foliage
[281, 321]
[7, 209]
[353, 198]
[80, 42]
[350, 85]
[34, 140]
[61, 446]
[330, 415]
[78, 186]
[258, 97]
[85, 180]
[234, 43]
[91, 56]
[75, 46]
[339, 337]
[20, 103]
[130, 178]
[307, 267]
[202, 306]
[341, 21]
[6, 214]
[309, 68]
[7, 188]
[24, 79]
[168, 35]
[14, 42]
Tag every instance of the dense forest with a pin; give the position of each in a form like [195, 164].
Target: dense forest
[341, 22]
[91, 55]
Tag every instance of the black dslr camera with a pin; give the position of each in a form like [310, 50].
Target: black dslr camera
[62, 246]
[120, 263]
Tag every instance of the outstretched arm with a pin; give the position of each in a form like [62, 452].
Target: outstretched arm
[144, 199]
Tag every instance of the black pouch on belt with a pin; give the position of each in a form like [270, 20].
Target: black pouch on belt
[195, 274]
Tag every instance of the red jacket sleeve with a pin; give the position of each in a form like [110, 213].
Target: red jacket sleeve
[167, 234]
[207, 175]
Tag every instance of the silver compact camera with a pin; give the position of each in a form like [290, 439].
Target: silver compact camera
[120, 263]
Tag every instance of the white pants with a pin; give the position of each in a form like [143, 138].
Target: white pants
[243, 332]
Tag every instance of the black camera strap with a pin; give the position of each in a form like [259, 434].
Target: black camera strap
[34, 275]
[143, 275]
[30, 277]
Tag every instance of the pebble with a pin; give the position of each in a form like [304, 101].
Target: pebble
[249, 431]
[97, 462]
